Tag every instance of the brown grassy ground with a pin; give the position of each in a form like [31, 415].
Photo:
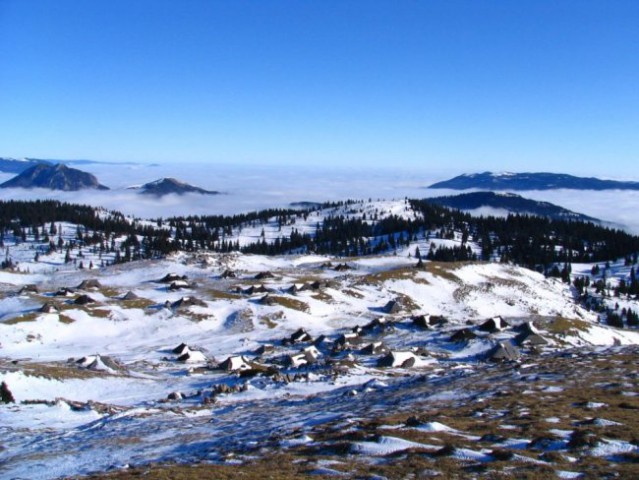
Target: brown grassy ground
[528, 402]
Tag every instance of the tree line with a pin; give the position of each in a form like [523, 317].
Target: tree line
[534, 242]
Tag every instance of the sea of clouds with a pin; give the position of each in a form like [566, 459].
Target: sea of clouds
[249, 188]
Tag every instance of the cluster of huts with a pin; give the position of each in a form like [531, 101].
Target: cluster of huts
[79, 295]
[186, 354]
[98, 363]
[527, 335]
[300, 349]
[176, 282]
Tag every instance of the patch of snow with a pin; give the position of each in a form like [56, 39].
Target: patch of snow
[386, 446]
[434, 427]
[602, 422]
[466, 454]
[607, 448]
[565, 434]
[328, 472]
[552, 389]
[568, 475]
[295, 442]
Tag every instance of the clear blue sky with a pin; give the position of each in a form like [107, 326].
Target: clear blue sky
[472, 85]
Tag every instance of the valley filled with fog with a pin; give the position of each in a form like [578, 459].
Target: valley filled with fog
[250, 188]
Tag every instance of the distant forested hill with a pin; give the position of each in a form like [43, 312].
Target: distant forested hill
[512, 203]
[531, 181]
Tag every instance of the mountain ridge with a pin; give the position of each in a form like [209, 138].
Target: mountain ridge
[511, 202]
[54, 177]
[19, 165]
[169, 185]
[531, 181]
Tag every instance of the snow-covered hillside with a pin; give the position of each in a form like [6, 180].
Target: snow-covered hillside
[99, 380]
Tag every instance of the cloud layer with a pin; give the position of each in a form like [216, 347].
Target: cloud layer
[254, 188]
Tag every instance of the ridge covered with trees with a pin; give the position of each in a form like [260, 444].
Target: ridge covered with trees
[343, 229]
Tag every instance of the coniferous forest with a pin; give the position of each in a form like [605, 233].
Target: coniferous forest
[534, 242]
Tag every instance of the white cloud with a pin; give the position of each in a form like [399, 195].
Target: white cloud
[253, 188]
[243, 188]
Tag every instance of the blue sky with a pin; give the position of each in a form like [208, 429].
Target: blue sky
[469, 85]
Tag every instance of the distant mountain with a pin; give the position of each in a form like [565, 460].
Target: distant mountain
[54, 177]
[531, 181]
[510, 202]
[167, 186]
[19, 165]
[93, 162]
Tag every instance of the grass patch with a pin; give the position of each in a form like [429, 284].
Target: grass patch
[406, 302]
[25, 317]
[65, 319]
[353, 293]
[106, 291]
[526, 406]
[506, 282]
[271, 321]
[445, 270]
[496, 396]
[288, 302]
[52, 370]
[140, 303]
[564, 326]
[304, 279]
[280, 466]
[403, 273]
[93, 310]
[322, 297]
[221, 295]
[195, 317]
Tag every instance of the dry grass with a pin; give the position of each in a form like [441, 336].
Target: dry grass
[353, 293]
[52, 370]
[445, 270]
[507, 282]
[195, 317]
[140, 303]
[288, 302]
[106, 291]
[220, 294]
[378, 278]
[322, 297]
[65, 319]
[25, 317]
[519, 399]
[566, 326]
[99, 313]
[526, 407]
[407, 302]
[271, 320]
[280, 466]
[93, 310]
[303, 279]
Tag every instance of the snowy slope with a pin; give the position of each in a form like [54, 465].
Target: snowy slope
[98, 384]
